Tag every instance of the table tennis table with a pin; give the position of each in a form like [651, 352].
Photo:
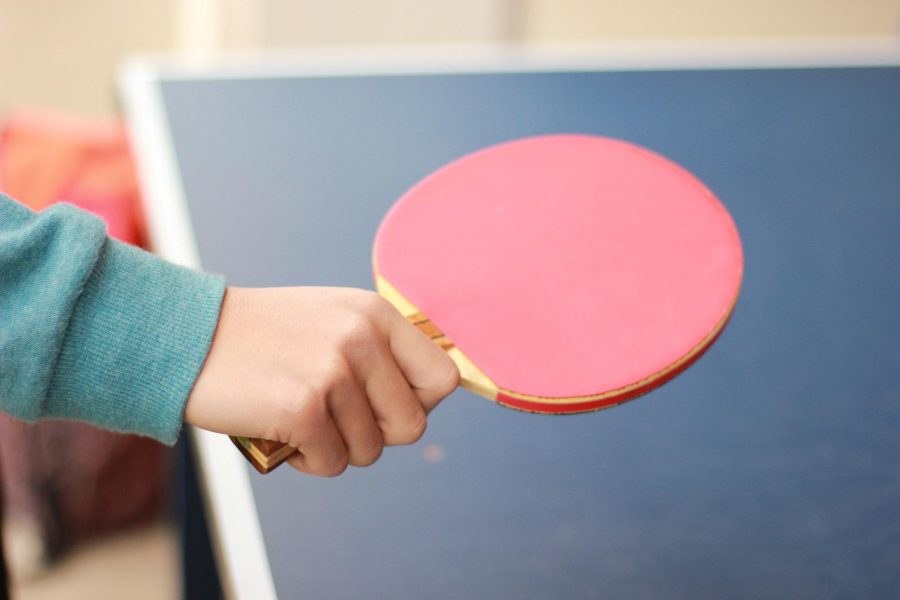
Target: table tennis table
[771, 468]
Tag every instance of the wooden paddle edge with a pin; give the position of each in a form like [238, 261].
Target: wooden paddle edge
[264, 455]
[472, 378]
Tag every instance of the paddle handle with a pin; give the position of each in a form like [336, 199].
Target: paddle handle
[266, 455]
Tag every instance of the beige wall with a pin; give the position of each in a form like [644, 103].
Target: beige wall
[628, 19]
[308, 22]
[314, 22]
[63, 53]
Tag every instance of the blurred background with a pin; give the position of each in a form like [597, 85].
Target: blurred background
[64, 54]
[78, 523]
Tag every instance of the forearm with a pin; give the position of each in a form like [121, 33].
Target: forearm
[95, 330]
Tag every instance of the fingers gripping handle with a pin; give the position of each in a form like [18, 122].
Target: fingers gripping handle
[266, 455]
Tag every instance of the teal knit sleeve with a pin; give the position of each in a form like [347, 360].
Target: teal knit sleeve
[96, 330]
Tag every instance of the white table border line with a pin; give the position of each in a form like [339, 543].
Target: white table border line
[243, 563]
[666, 55]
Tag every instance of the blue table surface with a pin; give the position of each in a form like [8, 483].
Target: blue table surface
[770, 469]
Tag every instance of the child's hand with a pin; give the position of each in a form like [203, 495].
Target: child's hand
[336, 372]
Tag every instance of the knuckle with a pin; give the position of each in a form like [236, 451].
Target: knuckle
[448, 379]
[356, 323]
[336, 371]
[303, 411]
[358, 326]
[335, 466]
[289, 404]
[419, 426]
[372, 304]
[298, 463]
[311, 401]
[361, 337]
[414, 429]
[369, 455]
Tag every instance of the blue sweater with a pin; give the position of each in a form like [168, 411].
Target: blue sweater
[96, 330]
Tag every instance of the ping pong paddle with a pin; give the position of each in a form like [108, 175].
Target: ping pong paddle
[561, 273]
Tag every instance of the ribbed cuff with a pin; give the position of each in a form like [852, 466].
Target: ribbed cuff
[135, 344]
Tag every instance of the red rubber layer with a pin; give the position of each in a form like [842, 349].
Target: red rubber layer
[566, 265]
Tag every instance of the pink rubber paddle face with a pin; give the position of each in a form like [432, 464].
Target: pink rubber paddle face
[574, 271]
